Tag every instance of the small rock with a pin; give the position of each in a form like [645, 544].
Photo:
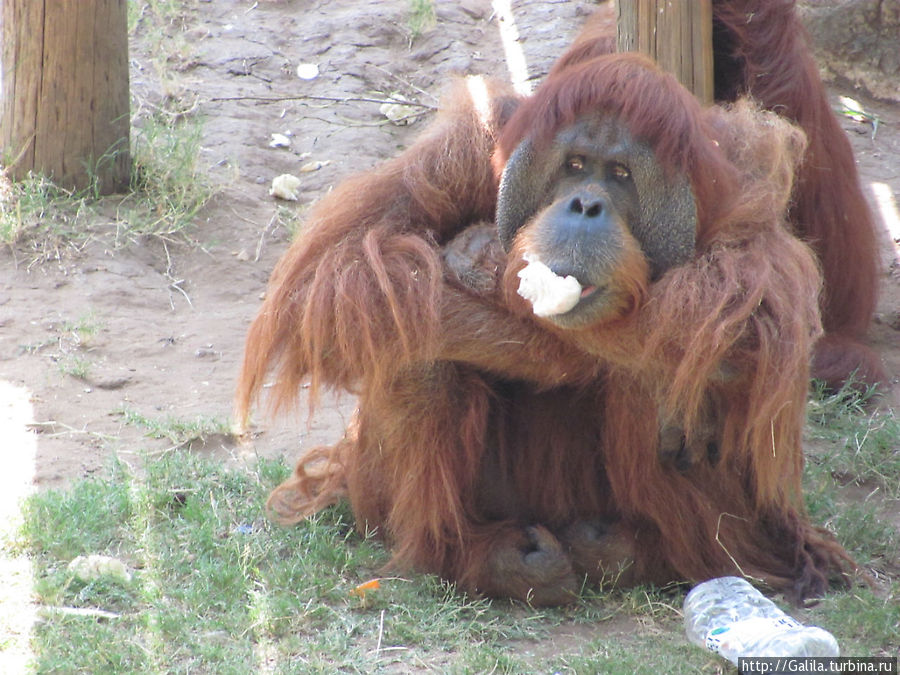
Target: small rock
[112, 382]
[398, 113]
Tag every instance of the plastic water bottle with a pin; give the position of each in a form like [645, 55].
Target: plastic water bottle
[731, 618]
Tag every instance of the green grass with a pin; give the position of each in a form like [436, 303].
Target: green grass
[178, 431]
[168, 187]
[158, 13]
[852, 479]
[290, 218]
[421, 18]
[163, 24]
[69, 345]
[84, 328]
[218, 588]
[869, 622]
[90, 517]
[44, 217]
[73, 343]
[855, 439]
[853, 473]
[75, 366]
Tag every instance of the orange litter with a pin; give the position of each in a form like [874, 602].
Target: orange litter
[365, 587]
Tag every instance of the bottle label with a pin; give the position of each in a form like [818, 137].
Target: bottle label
[732, 640]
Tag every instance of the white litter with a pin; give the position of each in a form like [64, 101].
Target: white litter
[280, 141]
[307, 71]
[87, 568]
[285, 187]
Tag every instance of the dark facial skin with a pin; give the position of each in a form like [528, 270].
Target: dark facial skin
[590, 203]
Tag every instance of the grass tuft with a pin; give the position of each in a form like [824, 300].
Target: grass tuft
[44, 217]
[852, 479]
[168, 189]
[421, 18]
[178, 431]
[855, 439]
[91, 517]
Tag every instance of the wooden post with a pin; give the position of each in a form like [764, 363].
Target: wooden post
[676, 33]
[64, 96]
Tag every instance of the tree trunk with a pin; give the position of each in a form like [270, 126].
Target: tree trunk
[677, 34]
[64, 91]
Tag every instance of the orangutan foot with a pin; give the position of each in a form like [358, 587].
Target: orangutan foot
[601, 550]
[531, 565]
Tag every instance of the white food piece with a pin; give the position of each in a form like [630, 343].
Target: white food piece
[285, 187]
[280, 141]
[548, 293]
[89, 567]
[308, 71]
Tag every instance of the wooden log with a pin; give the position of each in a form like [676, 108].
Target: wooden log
[65, 98]
[676, 33]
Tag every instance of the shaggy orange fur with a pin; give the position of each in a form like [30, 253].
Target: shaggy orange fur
[514, 457]
[761, 51]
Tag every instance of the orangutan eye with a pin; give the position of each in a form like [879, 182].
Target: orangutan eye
[619, 171]
[575, 163]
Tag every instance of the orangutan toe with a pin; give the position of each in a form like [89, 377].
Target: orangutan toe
[602, 550]
[532, 566]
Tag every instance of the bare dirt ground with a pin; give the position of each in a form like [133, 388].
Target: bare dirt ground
[171, 316]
